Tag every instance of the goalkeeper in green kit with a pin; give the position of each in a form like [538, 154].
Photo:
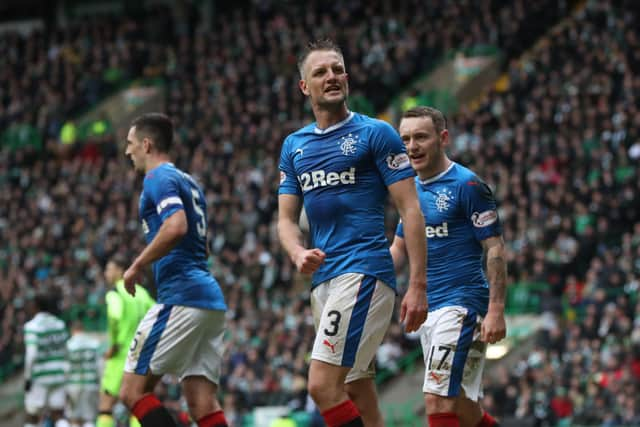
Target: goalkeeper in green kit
[124, 312]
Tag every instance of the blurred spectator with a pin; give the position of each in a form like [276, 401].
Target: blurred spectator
[559, 147]
[570, 111]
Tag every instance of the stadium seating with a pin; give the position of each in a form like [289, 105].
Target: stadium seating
[555, 145]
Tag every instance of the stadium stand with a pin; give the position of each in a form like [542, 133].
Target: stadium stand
[560, 145]
[557, 145]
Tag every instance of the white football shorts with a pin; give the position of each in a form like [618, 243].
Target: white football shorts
[82, 403]
[174, 339]
[40, 397]
[454, 356]
[351, 314]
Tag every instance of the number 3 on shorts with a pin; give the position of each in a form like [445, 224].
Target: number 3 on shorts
[335, 316]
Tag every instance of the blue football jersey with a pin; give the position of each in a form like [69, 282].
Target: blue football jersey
[342, 174]
[459, 212]
[181, 276]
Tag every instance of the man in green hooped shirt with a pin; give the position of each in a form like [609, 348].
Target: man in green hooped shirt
[124, 312]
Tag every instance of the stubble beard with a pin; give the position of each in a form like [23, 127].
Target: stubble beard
[333, 104]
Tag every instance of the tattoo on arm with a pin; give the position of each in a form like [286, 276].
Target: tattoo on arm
[497, 275]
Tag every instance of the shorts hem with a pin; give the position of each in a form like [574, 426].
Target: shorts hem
[360, 376]
[351, 376]
[461, 393]
[216, 381]
[329, 361]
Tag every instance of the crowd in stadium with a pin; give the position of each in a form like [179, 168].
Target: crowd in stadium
[562, 151]
[556, 146]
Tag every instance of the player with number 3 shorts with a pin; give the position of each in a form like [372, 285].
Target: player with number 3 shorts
[342, 168]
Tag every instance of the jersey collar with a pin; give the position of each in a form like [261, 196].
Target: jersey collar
[319, 131]
[437, 177]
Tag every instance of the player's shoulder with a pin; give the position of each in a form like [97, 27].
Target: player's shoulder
[30, 325]
[470, 183]
[163, 171]
[296, 139]
[302, 133]
[163, 174]
[164, 177]
[462, 172]
[59, 321]
[112, 296]
[464, 176]
[380, 133]
[57, 324]
[46, 324]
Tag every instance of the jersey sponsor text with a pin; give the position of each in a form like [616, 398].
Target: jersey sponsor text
[437, 231]
[312, 180]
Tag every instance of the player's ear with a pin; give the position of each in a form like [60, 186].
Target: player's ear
[146, 144]
[302, 84]
[444, 137]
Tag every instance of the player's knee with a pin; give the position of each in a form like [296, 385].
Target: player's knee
[322, 391]
[128, 396]
[437, 404]
[362, 391]
[107, 401]
[132, 389]
[124, 397]
[201, 404]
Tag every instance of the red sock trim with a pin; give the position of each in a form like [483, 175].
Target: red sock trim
[213, 419]
[341, 414]
[487, 421]
[146, 404]
[444, 419]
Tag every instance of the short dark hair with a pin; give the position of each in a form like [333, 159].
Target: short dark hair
[157, 127]
[320, 44]
[46, 300]
[438, 119]
[119, 260]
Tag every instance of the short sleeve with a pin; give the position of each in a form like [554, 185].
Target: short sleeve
[163, 190]
[400, 229]
[480, 208]
[288, 181]
[390, 154]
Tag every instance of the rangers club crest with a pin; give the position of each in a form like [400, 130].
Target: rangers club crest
[348, 144]
[443, 199]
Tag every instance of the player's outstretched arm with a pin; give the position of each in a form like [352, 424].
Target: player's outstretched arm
[171, 231]
[398, 252]
[494, 327]
[413, 311]
[306, 260]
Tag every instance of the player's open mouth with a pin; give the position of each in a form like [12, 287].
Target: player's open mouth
[332, 89]
[416, 156]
